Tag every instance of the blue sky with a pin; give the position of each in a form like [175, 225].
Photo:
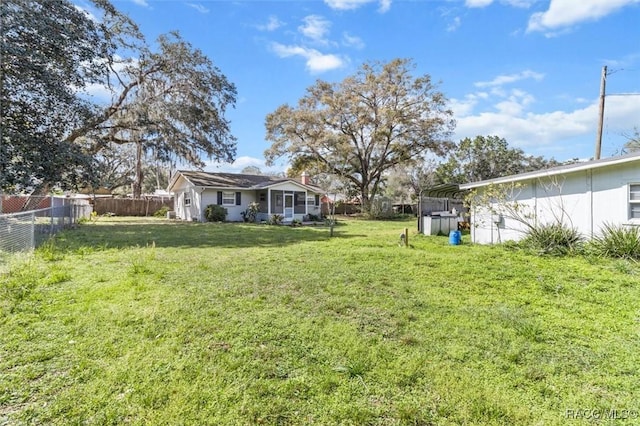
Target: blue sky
[525, 70]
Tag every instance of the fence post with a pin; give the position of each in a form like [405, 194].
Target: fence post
[33, 231]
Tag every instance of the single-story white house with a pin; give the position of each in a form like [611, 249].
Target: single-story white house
[584, 196]
[194, 191]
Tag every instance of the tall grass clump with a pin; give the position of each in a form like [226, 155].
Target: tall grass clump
[617, 241]
[554, 239]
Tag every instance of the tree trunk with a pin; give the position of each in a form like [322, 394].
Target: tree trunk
[366, 203]
[137, 185]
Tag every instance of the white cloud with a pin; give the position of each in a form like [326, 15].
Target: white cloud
[510, 78]
[200, 8]
[315, 27]
[515, 104]
[322, 62]
[626, 61]
[142, 3]
[385, 5]
[352, 41]
[520, 3]
[509, 117]
[477, 3]
[316, 61]
[454, 24]
[272, 24]
[566, 13]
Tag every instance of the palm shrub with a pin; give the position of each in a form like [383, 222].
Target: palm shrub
[276, 219]
[555, 239]
[617, 241]
[161, 212]
[250, 214]
[215, 213]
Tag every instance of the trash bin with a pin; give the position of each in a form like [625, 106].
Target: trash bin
[455, 238]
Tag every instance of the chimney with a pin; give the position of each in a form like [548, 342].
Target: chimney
[305, 179]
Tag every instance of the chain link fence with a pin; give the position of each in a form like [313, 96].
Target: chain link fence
[24, 231]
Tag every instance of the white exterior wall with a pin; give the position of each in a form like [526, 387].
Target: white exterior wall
[234, 213]
[611, 196]
[202, 197]
[584, 200]
[182, 190]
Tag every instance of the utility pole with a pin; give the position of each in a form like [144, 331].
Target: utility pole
[603, 83]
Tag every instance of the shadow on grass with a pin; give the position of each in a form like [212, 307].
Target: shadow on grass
[122, 234]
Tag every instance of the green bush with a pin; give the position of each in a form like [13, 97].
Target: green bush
[617, 241]
[161, 212]
[554, 239]
[215, 213]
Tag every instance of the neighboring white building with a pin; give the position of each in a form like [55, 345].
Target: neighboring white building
[583, 195]
[194, 191]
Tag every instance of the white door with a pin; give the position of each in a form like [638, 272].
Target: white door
[288, 206]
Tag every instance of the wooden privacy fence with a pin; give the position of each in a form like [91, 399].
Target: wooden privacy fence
[130, 207]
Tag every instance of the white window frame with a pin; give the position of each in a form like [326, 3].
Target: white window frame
[187, 200]
[228, 195]
[634, 201]
[311, 200]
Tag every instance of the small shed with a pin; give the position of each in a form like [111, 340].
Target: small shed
[584, 196]
[441, 209]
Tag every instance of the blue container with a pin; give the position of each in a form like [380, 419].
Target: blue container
[455, 238]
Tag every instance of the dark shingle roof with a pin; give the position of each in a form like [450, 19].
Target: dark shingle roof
[229, 180]
[235, 180]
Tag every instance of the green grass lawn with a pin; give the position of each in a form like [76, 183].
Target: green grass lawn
[151, 322]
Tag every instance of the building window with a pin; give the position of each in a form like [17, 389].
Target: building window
[187, 201]
[229, 198]
[263, 196]
[634, 201]
[311, 200]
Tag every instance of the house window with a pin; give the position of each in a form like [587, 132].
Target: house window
[311, 200]
[263, 196]
[229, 198]
[187, 201]
[634, 201]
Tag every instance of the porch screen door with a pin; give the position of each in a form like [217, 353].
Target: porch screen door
[288, 206]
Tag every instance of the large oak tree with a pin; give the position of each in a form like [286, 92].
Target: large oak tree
[49, 50]
[167, 99]
[487, 157]
[360, 128]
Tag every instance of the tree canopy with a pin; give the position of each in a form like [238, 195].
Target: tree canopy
[49, 50]
[168, 100]
[360, 128]
[487, 157]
